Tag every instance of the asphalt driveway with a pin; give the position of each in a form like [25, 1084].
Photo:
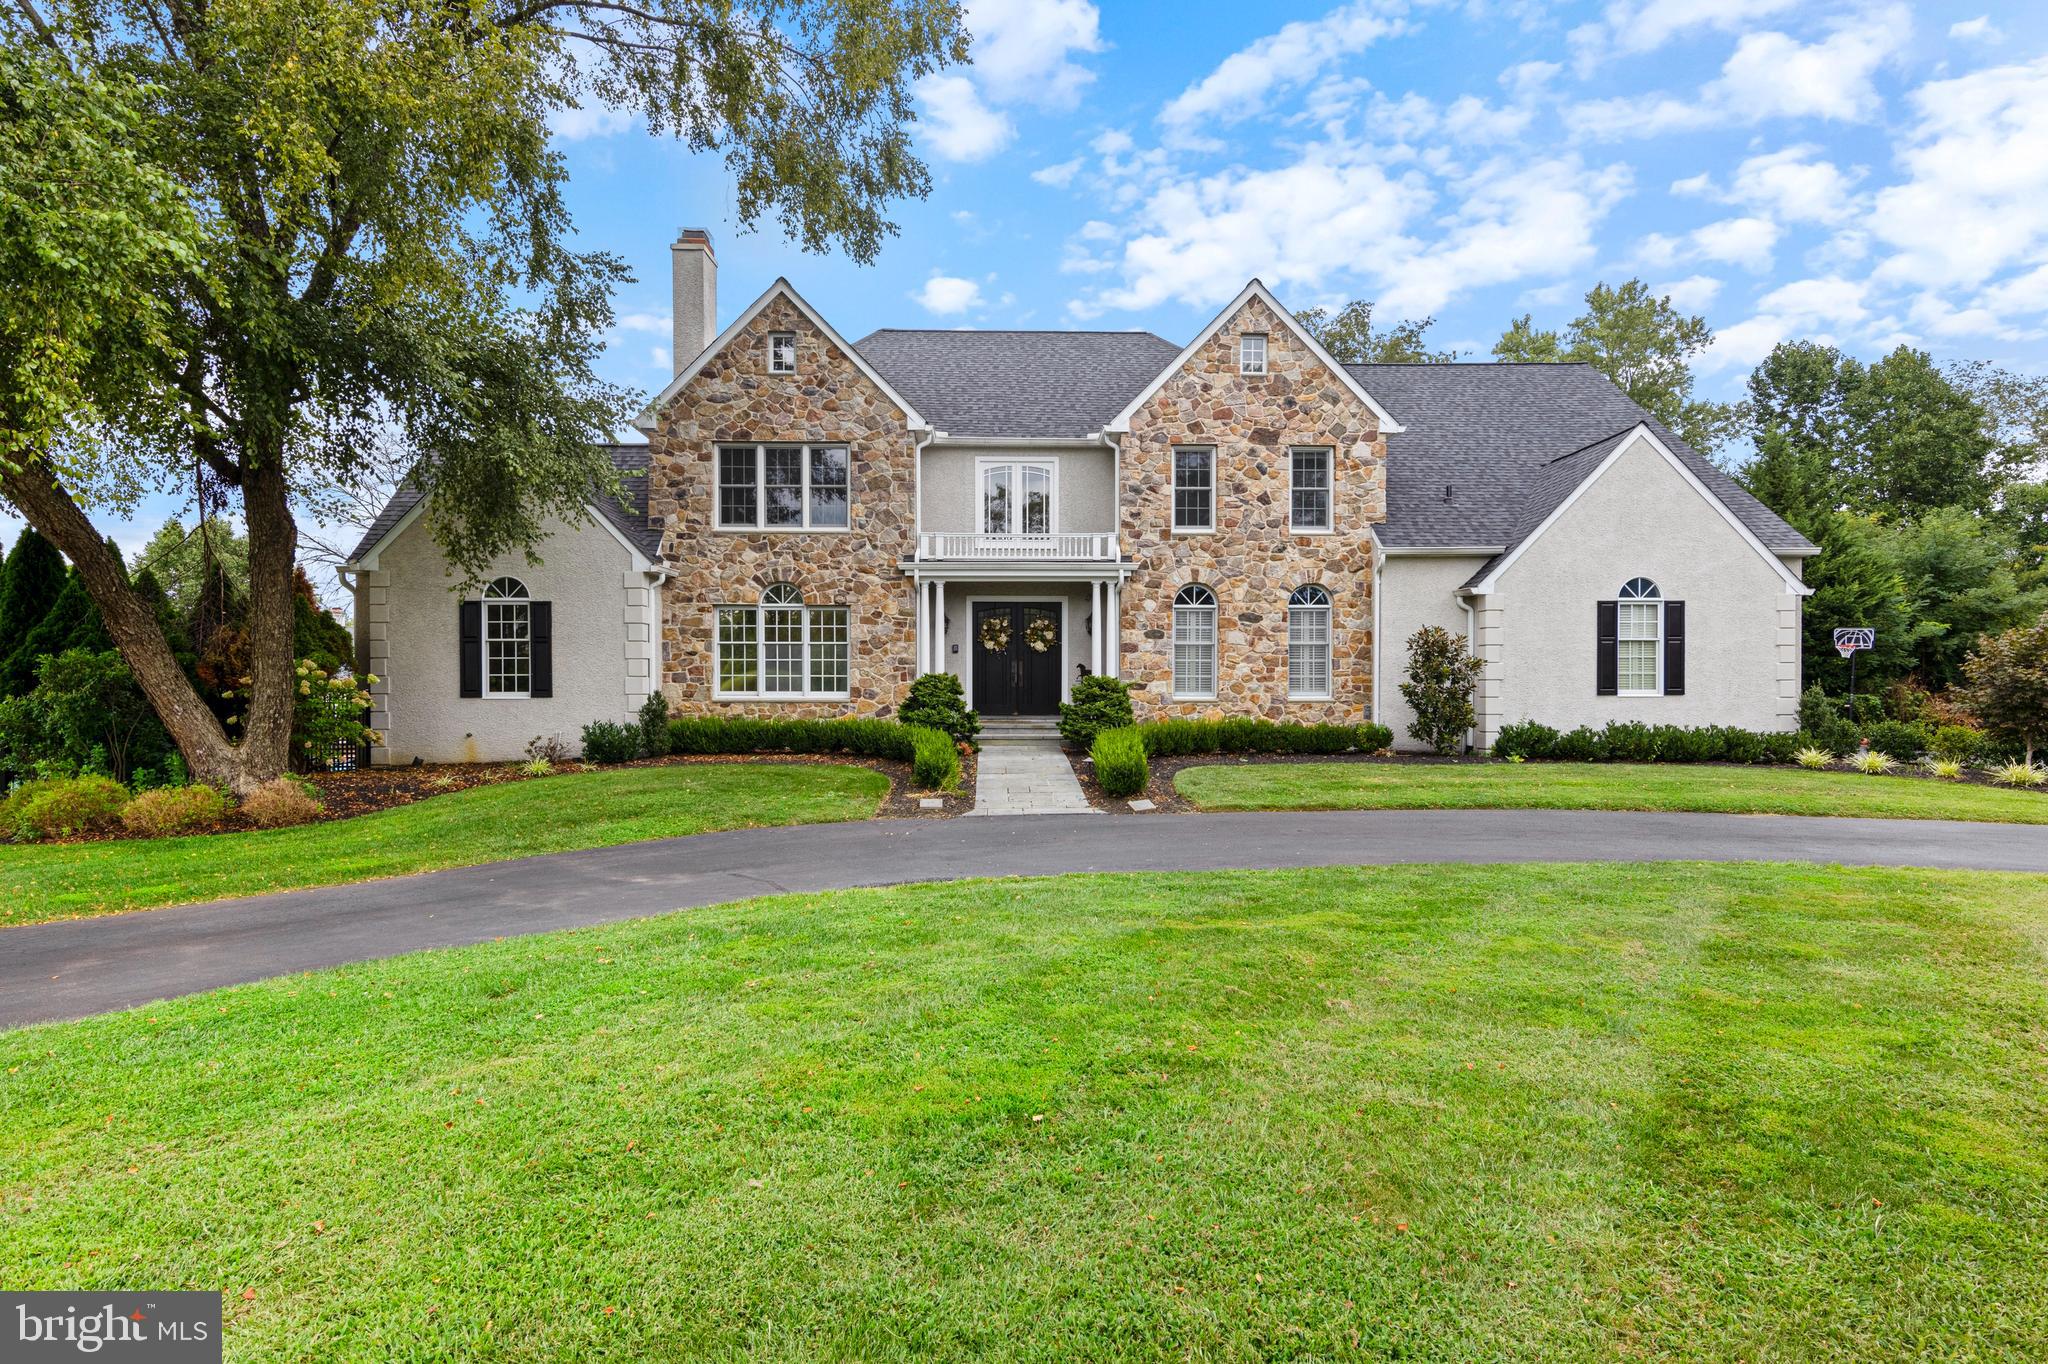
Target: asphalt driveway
[77, 967]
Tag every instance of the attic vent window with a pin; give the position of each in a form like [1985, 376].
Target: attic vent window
[1251, 353]
[782, 352]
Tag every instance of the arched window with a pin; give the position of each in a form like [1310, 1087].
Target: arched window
[508, 638]
[1194, 642]
[1308, 644]
[781, 648]
[1639, 636]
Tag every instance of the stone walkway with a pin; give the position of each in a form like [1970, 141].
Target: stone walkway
[1027, 777]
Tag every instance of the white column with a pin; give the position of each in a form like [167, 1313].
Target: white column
[1113, 637]
[924, 601]
[937, 649]
[1095, 627]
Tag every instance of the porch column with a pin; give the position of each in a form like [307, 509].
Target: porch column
[935, 650]
[1095, 633]
[1113, 637]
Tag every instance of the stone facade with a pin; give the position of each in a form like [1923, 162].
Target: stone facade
[1252, 561]
[828, 400]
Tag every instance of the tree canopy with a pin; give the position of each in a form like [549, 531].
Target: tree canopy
[1350, 338]
[1636, 338]
[274, 251]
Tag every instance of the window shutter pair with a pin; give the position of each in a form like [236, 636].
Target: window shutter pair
[1607, 648]
[541, 629]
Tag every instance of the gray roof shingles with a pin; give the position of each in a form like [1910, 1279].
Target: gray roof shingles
[629, 516]
[1509, 442]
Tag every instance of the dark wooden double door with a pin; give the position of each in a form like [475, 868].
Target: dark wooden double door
[1021, 674]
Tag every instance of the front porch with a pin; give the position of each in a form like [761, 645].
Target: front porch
[1018, 618]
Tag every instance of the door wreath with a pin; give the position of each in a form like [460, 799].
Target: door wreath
[995, 633]
[1041, 634]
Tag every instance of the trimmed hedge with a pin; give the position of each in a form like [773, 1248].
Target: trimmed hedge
[607, 741]
[1120, 765]
[1179, 738]
[937, 701]
[1628, 741]
[933, 756]
[62, 806]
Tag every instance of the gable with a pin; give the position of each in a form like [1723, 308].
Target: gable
[1214, 353]
[738, 353]
[1620, 499]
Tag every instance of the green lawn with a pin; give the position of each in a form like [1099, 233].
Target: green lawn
[1736, 1112]
[484, 824]
[1597, 786]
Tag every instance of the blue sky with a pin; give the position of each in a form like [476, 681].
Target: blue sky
[1868, 173]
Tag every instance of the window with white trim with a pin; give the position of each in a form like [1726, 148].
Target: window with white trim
[1016, 498]
[1194, 489]
[783, 487]
[1194, 643]
[1251, 353]
[1308, 644]
[508, 638]
[1639, 639]
[1308, 491]
[782, 352]
[782, 649]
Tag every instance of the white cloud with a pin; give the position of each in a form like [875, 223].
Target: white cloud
[1692, 293]
[1058, 176]
[1745, 343]
[1979, 29]
[657, 323]
[580, 123]
[1769, 75]
[1294, 55]
[1629, 29]
[1021, 49]
[1818, 302]
[1747, 242]
[1974, 199]
[948, 294]
[658, 357]
[1794, 187]
[958, 125]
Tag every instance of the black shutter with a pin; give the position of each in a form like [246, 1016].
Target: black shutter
[1674, 648]
[542, 676]
[471, 615]
[1606, 650]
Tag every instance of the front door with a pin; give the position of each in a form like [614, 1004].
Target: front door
[1016, 658]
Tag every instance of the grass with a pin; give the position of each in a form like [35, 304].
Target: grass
[1596, 786]
[483, 824]
[1538, 1112]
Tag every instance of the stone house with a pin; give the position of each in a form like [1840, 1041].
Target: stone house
[1237, 526]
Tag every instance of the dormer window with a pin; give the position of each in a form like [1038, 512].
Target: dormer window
[1251, 353]
[782, 352]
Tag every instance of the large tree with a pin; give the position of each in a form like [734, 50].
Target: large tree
[1349, 336]
[29, 587]
[271, 251]
[1636, 338]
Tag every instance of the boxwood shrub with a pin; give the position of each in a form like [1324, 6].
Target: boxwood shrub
[1098, 703]
[1633, 742]
[1243, 734]
[934, 758]
[1121, 768]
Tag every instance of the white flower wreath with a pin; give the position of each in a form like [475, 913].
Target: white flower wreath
[995, 634]
[1041, 634]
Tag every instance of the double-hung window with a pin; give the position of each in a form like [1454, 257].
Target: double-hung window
[1639, 638]
[1194, 490]
[1308, 644]
[783, 649]
[1194, 643]
[1308, 498]
[508, 639]
[783, 487]
[1016, 498]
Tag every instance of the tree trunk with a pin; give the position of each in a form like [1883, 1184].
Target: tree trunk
[273, 545]
[209, 753]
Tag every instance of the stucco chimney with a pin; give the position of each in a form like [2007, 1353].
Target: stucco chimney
[696, 289]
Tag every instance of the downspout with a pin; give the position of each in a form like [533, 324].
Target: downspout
[1472, 643]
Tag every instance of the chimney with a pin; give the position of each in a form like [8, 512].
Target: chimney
[696, 290]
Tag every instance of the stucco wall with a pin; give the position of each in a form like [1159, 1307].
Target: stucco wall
[1252, 561]
[828, 400]
[1641, 518]
[604, 623]
[1086, 487]
[1415, 591]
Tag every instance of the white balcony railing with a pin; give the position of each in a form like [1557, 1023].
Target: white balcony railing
[976, 545]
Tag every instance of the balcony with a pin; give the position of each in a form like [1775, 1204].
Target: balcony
[976, 547]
